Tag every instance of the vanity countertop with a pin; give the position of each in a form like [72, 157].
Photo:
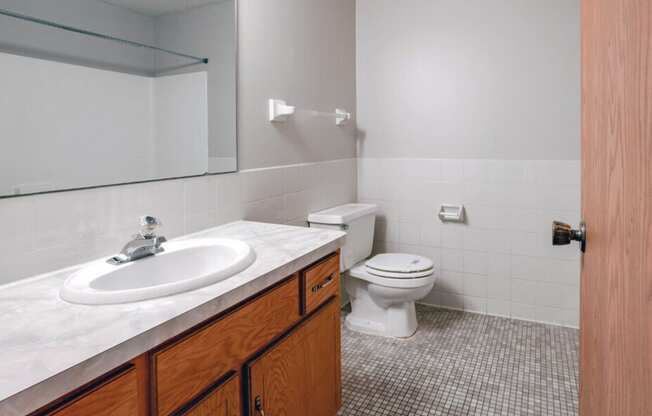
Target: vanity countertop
[50, 347]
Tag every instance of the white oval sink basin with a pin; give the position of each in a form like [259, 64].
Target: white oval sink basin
[184, 265]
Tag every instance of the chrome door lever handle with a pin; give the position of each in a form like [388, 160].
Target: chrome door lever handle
[563, 234]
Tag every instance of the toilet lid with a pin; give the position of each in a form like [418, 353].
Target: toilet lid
[399, 265]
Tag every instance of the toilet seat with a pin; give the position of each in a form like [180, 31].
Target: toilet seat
[414, 280]
[400, 266]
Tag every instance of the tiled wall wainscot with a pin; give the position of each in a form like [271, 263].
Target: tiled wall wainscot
[46, 232]
[501, 261]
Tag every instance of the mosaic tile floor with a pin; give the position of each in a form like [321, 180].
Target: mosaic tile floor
[462, 364]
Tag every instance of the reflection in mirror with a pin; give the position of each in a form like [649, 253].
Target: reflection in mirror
[100, 92]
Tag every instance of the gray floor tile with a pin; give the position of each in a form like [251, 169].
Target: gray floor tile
[462, 364]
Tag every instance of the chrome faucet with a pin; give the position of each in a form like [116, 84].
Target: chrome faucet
[146, 243]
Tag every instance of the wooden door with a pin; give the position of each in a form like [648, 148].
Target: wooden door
[300, 375]
[616, 293]
[223, 401]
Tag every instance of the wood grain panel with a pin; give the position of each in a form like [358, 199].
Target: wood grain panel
[320, 282]
[301, 374]
[223, 401]
[616, 285]
[141, 365]
[184, 369]
[116, 397]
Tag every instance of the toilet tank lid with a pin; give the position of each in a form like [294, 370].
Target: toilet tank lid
[342, 214]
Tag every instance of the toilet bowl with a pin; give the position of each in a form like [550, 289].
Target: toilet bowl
[382, 300]
[384, 288]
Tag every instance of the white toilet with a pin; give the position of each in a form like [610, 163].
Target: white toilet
[382, 289]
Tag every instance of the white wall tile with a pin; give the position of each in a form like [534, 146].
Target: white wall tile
[475, 285]
[528, 220]
[421, 168]
[452, 170]
[477, 171]
[452, 236]
[200, 221]
[561, 271]
[478, 239]
[524, 291]
[523, 311]
[450, 300]
[498, 307]
[510, 171]
[450, 282]
[431, 233]
[571, 318]
[528, 268]
[262, 183]
[549, 295]
[484, 216]
[17, 220]
[551, 315]
[297, 205]
[409, 233]
[499, 288]
[475, 304]
[387, 231]
[525, 243]
[476, 262]
[415, 211]
[452, 259]
[500, 266]
[200, 195]
[229, 197]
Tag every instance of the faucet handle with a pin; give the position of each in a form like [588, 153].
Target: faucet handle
[149, 224]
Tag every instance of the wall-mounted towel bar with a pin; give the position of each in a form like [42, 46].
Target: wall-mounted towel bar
[279, 111]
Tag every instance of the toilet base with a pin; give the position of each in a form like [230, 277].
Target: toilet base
[397, 321]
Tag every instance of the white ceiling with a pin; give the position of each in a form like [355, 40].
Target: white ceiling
[159, 7]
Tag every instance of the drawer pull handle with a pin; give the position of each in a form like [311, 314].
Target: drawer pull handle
[329, 280]
[258, 403]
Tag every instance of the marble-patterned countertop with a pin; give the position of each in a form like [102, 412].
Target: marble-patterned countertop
[50, 347]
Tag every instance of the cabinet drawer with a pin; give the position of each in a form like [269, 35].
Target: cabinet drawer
[186, 368]
[116, 397]
[221, 401]
[320, 282]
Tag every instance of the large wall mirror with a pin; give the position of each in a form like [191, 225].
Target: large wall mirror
[101, 92]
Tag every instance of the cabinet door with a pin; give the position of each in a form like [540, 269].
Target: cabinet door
[300, 375]
[116, 397]
[184, 369]
[223, 401]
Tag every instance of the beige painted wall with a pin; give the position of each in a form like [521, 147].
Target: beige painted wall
[302, 51]
[469, 79]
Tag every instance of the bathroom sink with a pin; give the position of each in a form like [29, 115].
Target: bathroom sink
[183, 265]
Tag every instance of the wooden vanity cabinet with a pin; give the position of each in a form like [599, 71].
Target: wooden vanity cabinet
[278, 352]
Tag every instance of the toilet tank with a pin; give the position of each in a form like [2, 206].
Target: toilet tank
[358, 221]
